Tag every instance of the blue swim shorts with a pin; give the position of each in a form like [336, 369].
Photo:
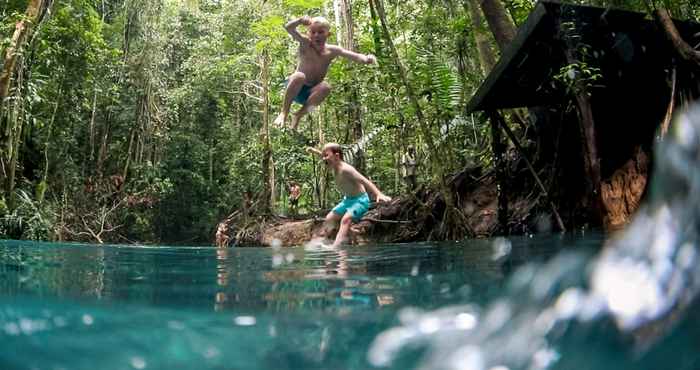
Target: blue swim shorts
[357, 206]
[303, 94]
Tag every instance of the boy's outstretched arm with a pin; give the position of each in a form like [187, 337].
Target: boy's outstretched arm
[356, 57]
[291, 28]
[313, 150]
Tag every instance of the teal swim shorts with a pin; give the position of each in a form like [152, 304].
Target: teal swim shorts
[357, 206]
[303, 94]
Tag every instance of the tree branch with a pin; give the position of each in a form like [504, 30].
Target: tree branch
[683, 48]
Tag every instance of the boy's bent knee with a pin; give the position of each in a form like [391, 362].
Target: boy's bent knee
[347, 219]
[297, 77]
[324, 87]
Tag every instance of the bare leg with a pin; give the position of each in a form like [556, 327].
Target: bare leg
[345, 223]
[294, 84]
[318, 94]
[329, 225]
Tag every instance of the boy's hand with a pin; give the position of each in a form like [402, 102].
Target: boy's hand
[312, 150]
[383, 198]
[370, 59]
[305, 20]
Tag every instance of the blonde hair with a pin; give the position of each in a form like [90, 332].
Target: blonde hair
[334, 148]
[321, 21]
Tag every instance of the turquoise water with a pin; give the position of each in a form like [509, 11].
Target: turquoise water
[65, 306]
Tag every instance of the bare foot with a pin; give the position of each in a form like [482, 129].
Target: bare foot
[280, 120]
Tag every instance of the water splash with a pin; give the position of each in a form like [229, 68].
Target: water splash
[643, 282]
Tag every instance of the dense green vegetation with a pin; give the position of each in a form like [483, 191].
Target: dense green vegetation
[149, 120]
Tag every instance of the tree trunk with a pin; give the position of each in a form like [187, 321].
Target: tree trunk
[268, 194]
[499, 22]
[41, 188]
[15, 121]
[23, 29]
[486, 57]
[376, 32]
[10, 57]
[347, 40]
[684, 50]
[92, 124]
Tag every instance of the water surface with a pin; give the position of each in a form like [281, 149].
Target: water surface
[69, 306]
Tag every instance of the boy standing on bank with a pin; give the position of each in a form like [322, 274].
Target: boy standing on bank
[306, 85]
[354, 187]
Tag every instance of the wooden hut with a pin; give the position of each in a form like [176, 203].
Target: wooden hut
[598, 85]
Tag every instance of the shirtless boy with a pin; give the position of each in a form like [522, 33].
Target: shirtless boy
[354, 187]
[306, 85]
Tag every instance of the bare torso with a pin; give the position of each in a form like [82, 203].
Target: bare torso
[295, 192]
[347, 181]
[314, 64]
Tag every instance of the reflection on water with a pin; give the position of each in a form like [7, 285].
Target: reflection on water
[115, 307]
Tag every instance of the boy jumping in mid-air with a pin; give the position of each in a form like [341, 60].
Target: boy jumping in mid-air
[354, 187]
[306, 85]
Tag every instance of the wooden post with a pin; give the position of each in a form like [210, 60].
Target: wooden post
[591, 161]
[499, 149]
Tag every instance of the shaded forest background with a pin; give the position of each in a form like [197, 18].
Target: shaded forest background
[149, 120]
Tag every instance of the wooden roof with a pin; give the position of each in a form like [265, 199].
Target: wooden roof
[617, 40]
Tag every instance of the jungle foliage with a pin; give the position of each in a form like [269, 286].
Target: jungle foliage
[150, 120]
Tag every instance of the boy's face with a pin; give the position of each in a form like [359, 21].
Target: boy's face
[318, 34]
[329, 157]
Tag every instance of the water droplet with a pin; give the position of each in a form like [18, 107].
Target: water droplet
[244, 320]
[11, 328]
[277, 260]
[88, 320]
[276, 244]
[26, 325]
[409, 315]
[465, 321]
[544, 358]
[568, 302]
[501, 248]
[467, 357]
[138, 362]
[429, 325]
